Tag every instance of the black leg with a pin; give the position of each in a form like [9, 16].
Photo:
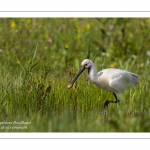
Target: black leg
[117, 100]
[111, 101]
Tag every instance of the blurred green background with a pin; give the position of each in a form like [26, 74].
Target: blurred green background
[67, 40]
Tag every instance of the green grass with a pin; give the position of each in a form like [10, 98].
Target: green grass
[38, 58]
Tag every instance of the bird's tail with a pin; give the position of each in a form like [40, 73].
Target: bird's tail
[135, 78]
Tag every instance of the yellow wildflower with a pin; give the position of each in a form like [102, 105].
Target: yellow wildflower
[66, 46]
[78, 36]
[111, 65]
[28, 23]
[13, 25]
[18, 62]
[88, 27]
[29, 20]
[46, 36]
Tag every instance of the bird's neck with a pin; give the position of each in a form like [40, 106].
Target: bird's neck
[92, 73]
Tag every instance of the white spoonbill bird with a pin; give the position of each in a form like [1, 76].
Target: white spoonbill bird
[111, 79]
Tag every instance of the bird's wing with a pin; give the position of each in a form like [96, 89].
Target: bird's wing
[119, 82]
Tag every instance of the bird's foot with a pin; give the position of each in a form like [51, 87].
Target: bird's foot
[106, 104]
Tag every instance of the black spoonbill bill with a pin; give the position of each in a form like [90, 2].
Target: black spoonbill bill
[111, 79]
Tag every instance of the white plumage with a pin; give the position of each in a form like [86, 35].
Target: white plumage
[111, 79]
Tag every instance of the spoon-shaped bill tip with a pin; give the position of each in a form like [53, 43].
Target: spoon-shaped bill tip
[69, 86]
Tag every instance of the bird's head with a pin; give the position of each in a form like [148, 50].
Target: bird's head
[86, 63]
